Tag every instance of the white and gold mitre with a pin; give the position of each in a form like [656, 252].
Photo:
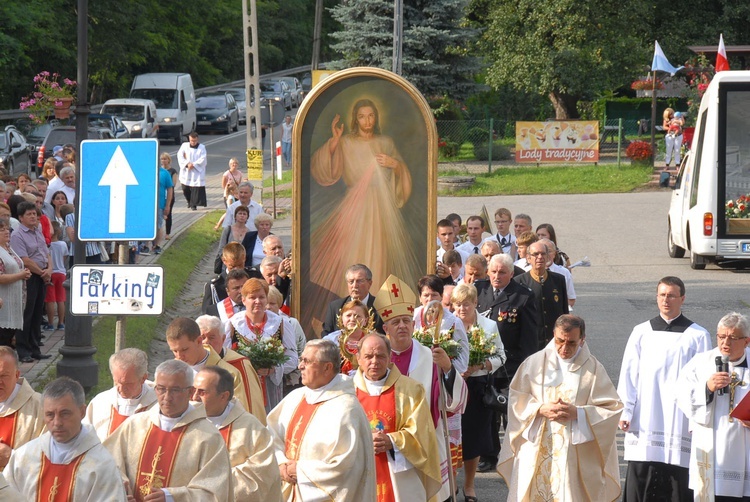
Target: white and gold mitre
[395, 299]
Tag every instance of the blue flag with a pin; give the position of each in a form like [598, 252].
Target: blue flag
[660, 61]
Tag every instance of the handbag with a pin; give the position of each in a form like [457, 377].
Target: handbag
[494, 399]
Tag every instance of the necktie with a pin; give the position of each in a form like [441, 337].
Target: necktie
[503, 243]
[476, 249]
[496, 294]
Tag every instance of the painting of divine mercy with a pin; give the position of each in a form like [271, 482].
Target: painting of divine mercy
[364, 187]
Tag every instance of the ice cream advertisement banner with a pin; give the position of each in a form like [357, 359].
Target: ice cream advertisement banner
[557, 141]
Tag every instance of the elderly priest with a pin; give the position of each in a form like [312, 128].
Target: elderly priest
[322, 436]
[562, 420]
[171, 452]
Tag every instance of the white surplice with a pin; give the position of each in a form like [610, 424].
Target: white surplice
[99, 410]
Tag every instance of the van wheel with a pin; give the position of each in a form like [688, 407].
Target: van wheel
[697, 262]
[673, 249]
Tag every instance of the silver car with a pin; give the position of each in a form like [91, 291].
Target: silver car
[239, 97]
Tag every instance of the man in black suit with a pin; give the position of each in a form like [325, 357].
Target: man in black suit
[513, 307]
[215, 290]
[226, 308]
[549, 290]
[358, 282]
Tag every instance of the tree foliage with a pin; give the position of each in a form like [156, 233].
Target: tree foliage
[435, 56]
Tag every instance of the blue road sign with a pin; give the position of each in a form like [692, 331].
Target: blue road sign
[119, 184]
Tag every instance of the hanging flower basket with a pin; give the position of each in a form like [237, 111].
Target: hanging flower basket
[49, 95]
[62, 108]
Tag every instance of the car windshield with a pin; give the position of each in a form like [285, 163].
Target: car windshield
[239, 94]
[125, 112]
[38, 134]
[164, 98]
[100, 122]
[210, 103]
[3, 143]
[270, 87]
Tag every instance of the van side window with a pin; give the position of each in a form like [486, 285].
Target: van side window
[698, 154]
[182, 97]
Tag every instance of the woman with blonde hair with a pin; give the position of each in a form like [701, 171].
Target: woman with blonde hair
[48, 170]
[230, 180]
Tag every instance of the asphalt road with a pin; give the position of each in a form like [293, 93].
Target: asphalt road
[624, 236]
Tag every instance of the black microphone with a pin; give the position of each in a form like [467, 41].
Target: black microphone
[722, 365]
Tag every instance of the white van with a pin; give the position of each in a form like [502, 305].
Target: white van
[701, 220]
[138, 115]
[174, 96]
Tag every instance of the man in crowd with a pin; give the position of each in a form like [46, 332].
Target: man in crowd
[504, 237]
[549, 292]
[474, 231]
[232, 257]
[475, 269]
[68, 177]
[212, 331]
[402, 430]
[358, 283]
[273, 246]
[570, 290]
[186, 343]
[562, 420]
[521, 224]
[657, 439]
[395, 304]
[192, 159]
[129, 395]
[226, 308]
[172, 450]
[490, 248]
[321, 434]
[244, 198]
[447, 238]
[28, 242]
[523, 242]
[67, 459]
[255, 473]
[40, 185]
[513, 308]
[165, 198]
[720, 443]
[21, 418]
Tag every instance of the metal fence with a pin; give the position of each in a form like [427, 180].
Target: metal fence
[473, 141]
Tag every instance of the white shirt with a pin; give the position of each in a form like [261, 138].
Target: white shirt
[254, 208]
[195, 177]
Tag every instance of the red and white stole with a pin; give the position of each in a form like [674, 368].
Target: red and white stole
[157, 460]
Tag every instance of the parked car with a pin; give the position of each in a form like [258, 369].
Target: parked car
[138, 115]
[62, 135]
[307, 83]
[276, 90]
[217, 111]
[238, 93]
[14, 151]
[298, 94]
[111, 122]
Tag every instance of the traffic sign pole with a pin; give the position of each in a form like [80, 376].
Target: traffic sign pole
[121, 319]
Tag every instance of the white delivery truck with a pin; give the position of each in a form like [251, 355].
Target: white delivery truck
[174, 96]
[705, 218]
[138, 115]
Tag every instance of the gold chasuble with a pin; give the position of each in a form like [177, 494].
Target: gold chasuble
[157, 460]
[56, 481]
[22, 419]
[254, 394]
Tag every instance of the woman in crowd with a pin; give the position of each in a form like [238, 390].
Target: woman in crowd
[236, 232]
[48, 170]
[256, 322]
[476, 422]
[12, 290]
[275, 301]
[263, 222]
[22, 181]
[59, 199]
[547, 231]
[353, 314]
[230, 180]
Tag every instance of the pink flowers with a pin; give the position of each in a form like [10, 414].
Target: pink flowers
[48, 93]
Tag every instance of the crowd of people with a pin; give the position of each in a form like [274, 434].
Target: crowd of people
[407, 385]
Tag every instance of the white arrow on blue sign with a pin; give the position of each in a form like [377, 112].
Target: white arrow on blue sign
[119, 189]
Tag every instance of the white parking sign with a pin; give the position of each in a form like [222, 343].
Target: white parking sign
[116, 290]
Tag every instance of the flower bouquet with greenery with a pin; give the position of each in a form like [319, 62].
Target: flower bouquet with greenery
[739, 207]
[480, 346]
[48, 93]
[640, 151]
[264, 353]
[445, 341]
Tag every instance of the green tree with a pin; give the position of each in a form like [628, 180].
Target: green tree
[567, 50]
[435, 58]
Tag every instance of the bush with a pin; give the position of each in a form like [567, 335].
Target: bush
[449, 149]
[477, 135]
[499, 151]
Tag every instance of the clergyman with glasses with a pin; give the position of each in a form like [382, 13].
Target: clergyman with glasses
[657, 433]
[720, 449]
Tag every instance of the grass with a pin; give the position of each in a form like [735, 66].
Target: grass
[286, 177]
[179, 261]
[604, 178]
[465, 152]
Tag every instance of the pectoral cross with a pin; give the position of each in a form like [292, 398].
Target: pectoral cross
[732, 384]
[153, 479]
[53, 490]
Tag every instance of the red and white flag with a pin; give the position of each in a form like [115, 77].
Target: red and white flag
[721, 56]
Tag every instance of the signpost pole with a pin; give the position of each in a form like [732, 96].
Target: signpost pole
[273, 154]
[121, 319]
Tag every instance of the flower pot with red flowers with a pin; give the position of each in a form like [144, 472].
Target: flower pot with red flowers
[640, 153]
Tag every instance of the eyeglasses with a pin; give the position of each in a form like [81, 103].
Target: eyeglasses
[161, 390]
[305, 360]
[732, 338]
[538, 254]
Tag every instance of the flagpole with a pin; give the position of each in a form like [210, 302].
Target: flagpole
[653, 118]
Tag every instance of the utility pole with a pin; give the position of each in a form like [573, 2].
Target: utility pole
[317, 33]
[78, 350]
[252, 85]
[398, 35]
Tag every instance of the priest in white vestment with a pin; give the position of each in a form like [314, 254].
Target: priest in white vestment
[68, 462]
[21, 417]
[192, 159]
[129, 395]
[720, 452]
[406, 457]
[657, 436]
[171, 453]
[395, 304]
[321, 434]
[562, 420]
[255, 473]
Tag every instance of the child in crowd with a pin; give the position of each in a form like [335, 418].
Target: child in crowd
[452, 259]
[58, 251]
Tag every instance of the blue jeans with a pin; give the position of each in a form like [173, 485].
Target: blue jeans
[286, 151]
